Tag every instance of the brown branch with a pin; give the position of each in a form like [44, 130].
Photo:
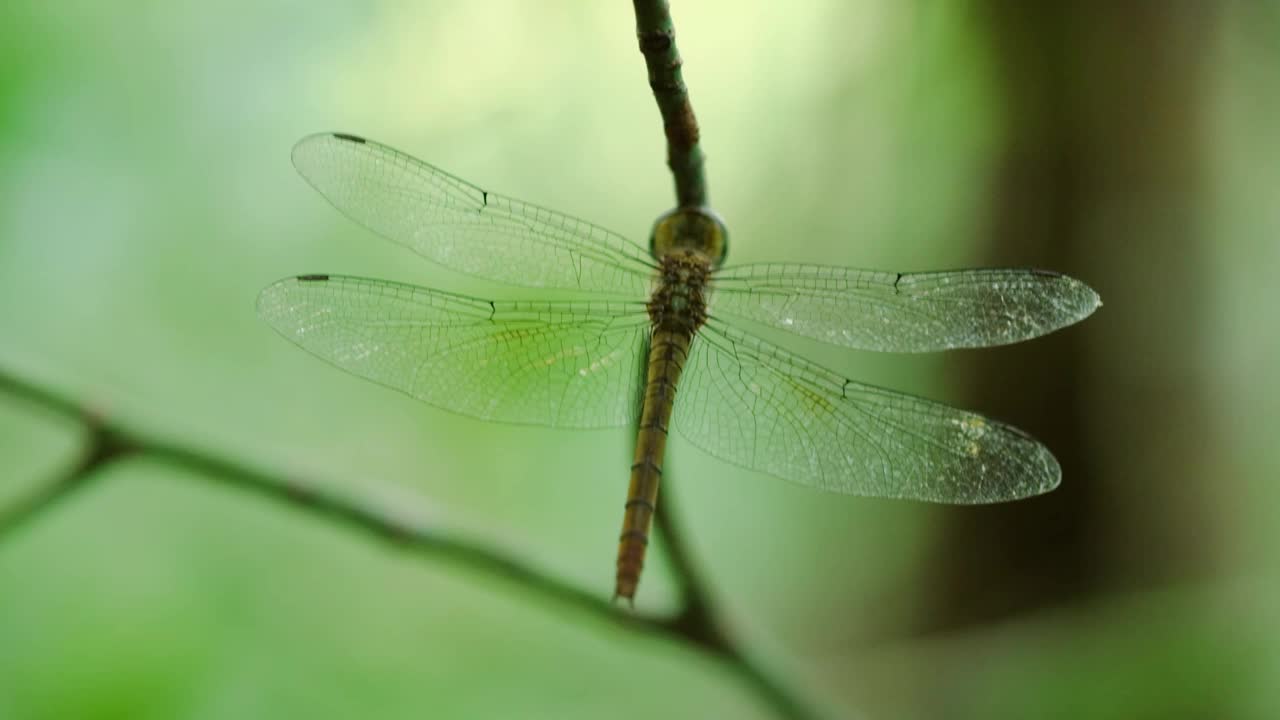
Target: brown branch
[657, 36]
[409, 528]
[21, 511]
[96, 449]
[110, 440]
[698, 622]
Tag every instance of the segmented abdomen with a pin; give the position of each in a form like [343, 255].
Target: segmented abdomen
[667, 353]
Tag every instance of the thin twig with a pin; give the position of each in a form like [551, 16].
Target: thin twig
[699, 623]
[110, 440]
[96, 449]
[18, 512]
[696, 620]
[657, 36]
[403, 526]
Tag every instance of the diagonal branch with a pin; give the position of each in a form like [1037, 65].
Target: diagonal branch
[410, 528]
[92, 455]
[110, 440]
[96, 449]
[657, 36]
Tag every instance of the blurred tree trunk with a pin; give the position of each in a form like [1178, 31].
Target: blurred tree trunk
[1101, 177]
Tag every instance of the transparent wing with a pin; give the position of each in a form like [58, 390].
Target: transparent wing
[465, 228]
[562, 364]
[759, 406]
[903, 312]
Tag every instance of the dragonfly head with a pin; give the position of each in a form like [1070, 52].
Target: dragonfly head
[690, 228]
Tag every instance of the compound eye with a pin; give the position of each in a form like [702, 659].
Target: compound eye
[692, 228]
[718, 245]
[662, 239]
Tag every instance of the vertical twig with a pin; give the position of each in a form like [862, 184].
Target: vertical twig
[657, 36]
[697, 620]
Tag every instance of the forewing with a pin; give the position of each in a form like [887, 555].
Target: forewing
[465, 228]
[903, 312]
[761, 407]
[561, 364]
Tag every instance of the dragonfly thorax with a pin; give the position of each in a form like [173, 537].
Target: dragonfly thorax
[679, 301]
[698, 229]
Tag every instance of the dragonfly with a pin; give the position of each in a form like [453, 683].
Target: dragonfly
[614, 334]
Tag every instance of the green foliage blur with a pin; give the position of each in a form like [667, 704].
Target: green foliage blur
[146, 196]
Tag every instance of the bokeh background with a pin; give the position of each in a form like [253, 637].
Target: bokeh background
[146, 196]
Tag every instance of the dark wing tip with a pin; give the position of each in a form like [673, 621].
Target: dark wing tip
[313, 278]
[349, 138]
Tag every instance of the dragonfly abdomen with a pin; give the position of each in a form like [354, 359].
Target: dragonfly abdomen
[667, 354]
[677, 309]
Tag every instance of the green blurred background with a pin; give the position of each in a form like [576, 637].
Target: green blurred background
[146, 196]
